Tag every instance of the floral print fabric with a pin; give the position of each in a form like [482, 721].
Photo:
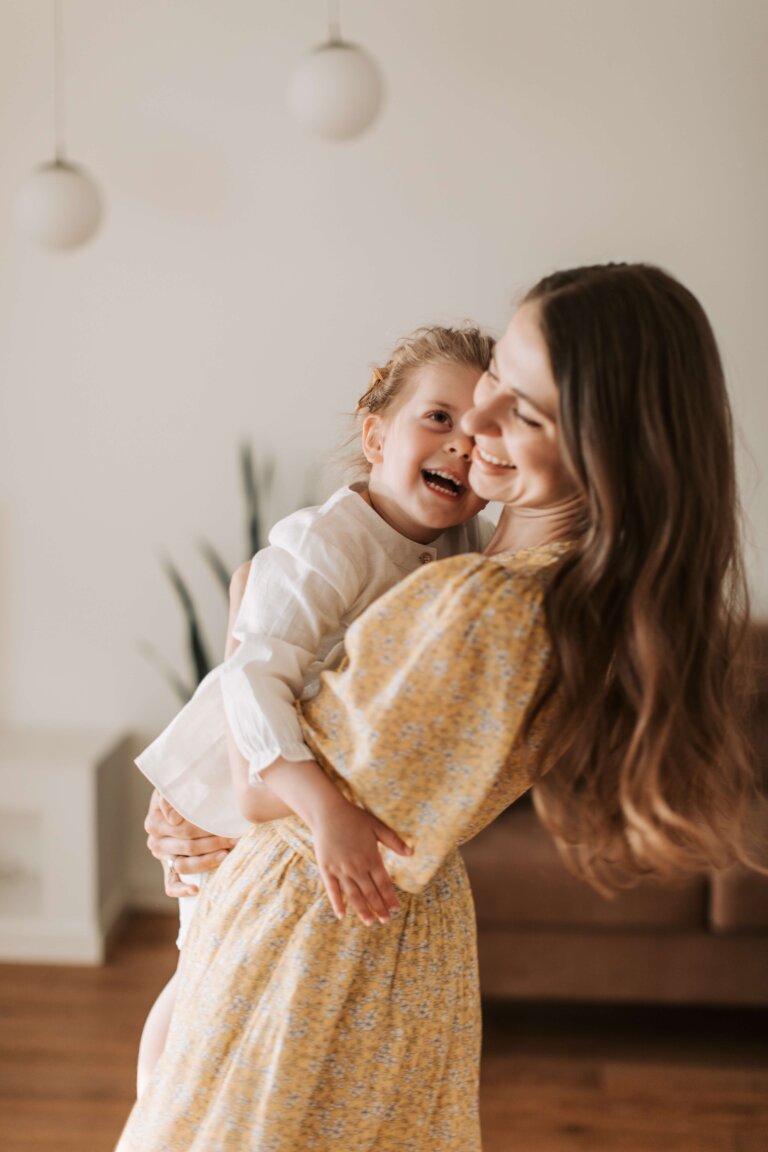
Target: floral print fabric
[294, 1031]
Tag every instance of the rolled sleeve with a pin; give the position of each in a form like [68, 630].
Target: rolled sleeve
[291, 604]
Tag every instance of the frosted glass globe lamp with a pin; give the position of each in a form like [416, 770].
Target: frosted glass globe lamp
[58, 206]
[336, 90]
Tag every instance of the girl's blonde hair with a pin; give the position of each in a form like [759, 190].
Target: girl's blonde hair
[430, 345]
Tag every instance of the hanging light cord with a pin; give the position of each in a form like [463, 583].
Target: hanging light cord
[59, 118]
[334, 22]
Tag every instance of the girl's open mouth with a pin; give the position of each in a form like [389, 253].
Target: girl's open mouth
[443, 483]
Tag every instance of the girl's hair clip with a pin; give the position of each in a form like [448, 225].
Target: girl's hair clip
[378, 376]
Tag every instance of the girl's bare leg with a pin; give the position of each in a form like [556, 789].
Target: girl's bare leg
[155, 1033]
[155, 1030]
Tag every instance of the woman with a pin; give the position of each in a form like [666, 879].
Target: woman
[590, 652]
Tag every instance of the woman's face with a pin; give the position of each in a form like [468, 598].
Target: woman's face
[517, 458]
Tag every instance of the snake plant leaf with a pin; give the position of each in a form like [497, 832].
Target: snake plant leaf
[256, 488]
[256, 479]
[197, 649]
[216, 564]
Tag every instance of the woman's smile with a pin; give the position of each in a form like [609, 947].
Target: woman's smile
[516, 458]
[489, 458]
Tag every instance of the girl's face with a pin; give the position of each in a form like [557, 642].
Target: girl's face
[420, 456]
[517, 458]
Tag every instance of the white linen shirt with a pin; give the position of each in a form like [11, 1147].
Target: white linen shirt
[322, 569]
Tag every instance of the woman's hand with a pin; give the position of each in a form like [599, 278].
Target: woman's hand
[191, 849]
[348, 856]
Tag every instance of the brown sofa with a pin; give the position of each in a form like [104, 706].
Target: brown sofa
[543, 934]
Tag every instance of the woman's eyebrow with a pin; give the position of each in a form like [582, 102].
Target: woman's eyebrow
[493, 368]
[524, 396]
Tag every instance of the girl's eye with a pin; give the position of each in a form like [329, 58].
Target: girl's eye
[439, 417]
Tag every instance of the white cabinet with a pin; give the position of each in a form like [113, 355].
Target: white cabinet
[64, 816]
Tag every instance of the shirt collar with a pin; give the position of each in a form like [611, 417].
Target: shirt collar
[405, 553]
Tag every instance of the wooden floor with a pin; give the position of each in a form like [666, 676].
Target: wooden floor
[554, 1079]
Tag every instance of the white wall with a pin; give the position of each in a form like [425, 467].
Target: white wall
[247, 275]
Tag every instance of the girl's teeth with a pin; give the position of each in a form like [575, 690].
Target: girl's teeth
[439, 488]
[452, 487]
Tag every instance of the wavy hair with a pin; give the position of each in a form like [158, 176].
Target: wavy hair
[649, 768]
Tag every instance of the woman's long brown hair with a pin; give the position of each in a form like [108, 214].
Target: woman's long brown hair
[650, 771]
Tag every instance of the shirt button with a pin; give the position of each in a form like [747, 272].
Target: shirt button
[425, 557]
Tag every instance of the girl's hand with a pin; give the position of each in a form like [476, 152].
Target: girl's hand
[170, 836]
[346, 838]
[347, 853]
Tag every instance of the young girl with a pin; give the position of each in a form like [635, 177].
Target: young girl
[324, 566]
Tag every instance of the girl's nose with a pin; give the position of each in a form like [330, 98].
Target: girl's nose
[460, 444]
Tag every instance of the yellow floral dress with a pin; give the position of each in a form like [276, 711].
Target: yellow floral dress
[294, 1032]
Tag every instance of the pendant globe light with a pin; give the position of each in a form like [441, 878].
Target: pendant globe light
[58, 206]
[336, 90]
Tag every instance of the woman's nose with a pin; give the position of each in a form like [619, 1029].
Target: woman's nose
[478, 419]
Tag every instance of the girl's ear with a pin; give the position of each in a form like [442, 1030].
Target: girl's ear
[373, 439]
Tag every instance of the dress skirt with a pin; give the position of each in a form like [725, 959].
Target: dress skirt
[295, 1032]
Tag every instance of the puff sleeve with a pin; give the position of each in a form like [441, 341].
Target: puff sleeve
[424, 720]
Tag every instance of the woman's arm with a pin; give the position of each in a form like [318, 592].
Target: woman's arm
[426, 721]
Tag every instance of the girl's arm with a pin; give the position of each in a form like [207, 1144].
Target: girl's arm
[295, 596]
[346, 837]
[257, 802]
[298, 591]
